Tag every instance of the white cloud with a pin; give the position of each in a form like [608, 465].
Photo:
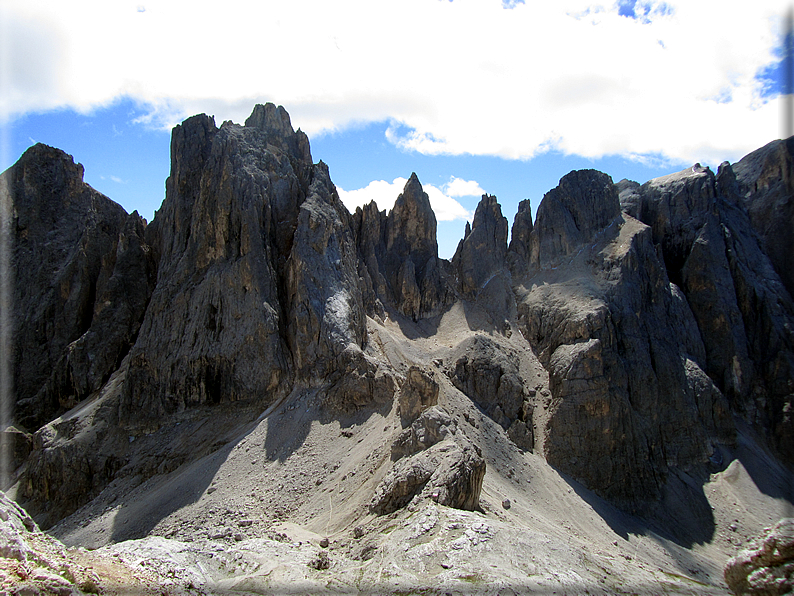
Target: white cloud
[115, 179]
[385, 194]
[472, 77]
[458, 187]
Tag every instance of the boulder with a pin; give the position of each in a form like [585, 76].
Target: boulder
[767, 566]
[359, 381]
[450, 472]
[432, 426]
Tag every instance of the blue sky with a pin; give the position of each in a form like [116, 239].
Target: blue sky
[495, 96]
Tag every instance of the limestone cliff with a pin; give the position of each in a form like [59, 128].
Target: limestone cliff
[84, 273]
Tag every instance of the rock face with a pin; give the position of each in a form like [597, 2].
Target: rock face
[489, 375]
[84, 273]
[518, 251]
[215, 329]
[400, 253]
[621, 347]
[767, 567]
[765, 180]
[258, 275]
[571, 215]
[481, 254]
[741, 306]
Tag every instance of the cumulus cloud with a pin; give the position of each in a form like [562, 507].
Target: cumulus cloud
[458, 187]
[441, 199]
[676, 80]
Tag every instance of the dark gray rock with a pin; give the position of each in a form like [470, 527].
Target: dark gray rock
[676, 207]
[765, 180]
[629, 196]
[17, 446]
[583, 204]
[488, 374]
[83, 275]
[400, 252]
[518, 252]
[215, 328]
[621, 347]
[481, 254]
[418, 393]
[743, 311]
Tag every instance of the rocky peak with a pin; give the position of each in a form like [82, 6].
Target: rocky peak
[83, 272]
[226, 228]
[676, 206]
[584, 203]
[411, 226]
[482, 251]
[275, 123]
[520, 238]
[629, 196]
[405, 271]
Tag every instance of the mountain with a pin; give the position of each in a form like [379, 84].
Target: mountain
[604, 401]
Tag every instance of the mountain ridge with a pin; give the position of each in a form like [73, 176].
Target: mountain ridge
[633, 337]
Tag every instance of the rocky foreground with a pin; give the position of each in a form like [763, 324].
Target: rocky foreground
[261, 392]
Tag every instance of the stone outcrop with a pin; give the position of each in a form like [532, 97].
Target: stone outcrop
[481, 253]
[400, 253]
[742, 308]
[765, 180]
[83, 276]
[450, 472]
[432, 459]
[432, 426]
[623, 408]
[571, 215]
[418, 393]
[488, 374]
[767, 566]
[359, 381]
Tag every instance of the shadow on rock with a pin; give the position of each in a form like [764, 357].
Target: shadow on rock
[161, 496]
[683, 516]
